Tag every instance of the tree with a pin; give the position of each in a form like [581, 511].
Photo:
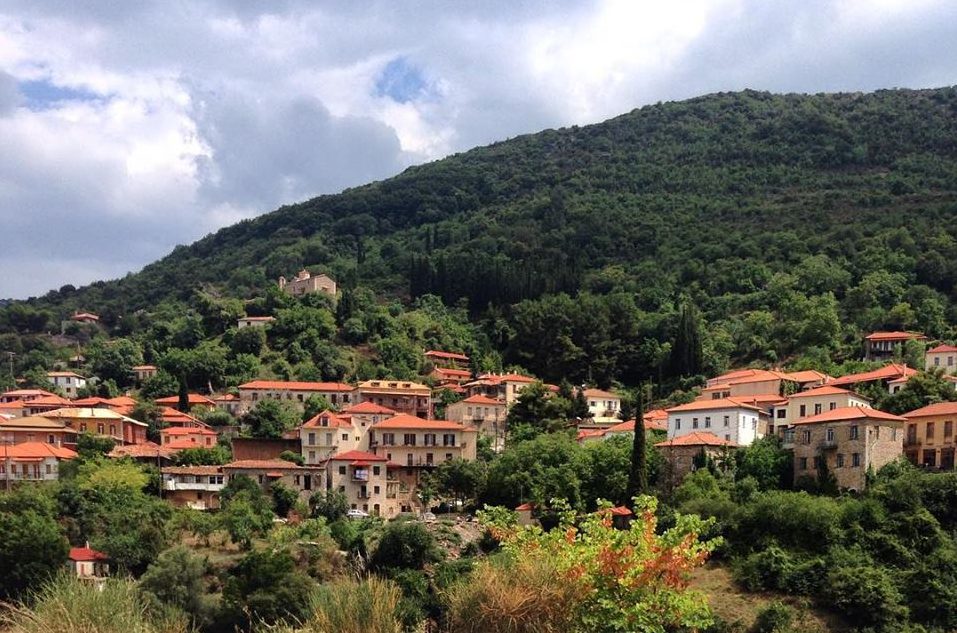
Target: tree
[686, 351]
[766, 462]
[284, 498]
[91, 446]
[536, 471]
[266, 587]
[33, 547]
[404, 545]
[270, 418]
[919, 391]
[244, 518]
[159, 385]
[330, 504]
[638, 473]
[314, 405]
[535, 411]
[459, 479]
[176, 578]
[203, 456]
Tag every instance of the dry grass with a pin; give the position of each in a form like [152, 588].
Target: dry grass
[732, 604]
[527, 596]
[68, 605]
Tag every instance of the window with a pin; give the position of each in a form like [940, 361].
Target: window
[99, 429]
[376, 470]
[856, 460]
[694, 423]
[312, 438]
[51, 439]
[803, 463]
[948, 429]
[707, 422]
[840, 460]
[375, 490]
[448, 439]
[950, 361]
[854, 432]
[345, 437]
[677, 424]
[727, 437]
[817, 408]
[727, 420]
[312, 456]
[448, 456]
[295, 479]
[930, 431]
[430, 439]
[781, 413]
[832, 406]
[388, 439]
[802, 410]
[260, 480]
[830, 435]
[342, 470]
[806, 437]
[936, 361]
[429, 458]
[408, 439]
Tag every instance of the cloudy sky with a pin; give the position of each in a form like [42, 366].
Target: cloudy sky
[129, 127]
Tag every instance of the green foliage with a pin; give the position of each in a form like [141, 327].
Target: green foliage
[330, 504]
[91, 446]
[271, 418]
[404, 545]
[777, 617]
[350, 606]
[284, 498]
[33, 547]
[459, 479]
[203, 456]
[766, 462]
[536, 471]
[175, 578]
[290, 456]
[265, 587]
[921, 390]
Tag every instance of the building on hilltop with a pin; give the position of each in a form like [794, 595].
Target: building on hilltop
[941, 357]
[882, 345]
[143, 372]
[686, 453]
[337, 393]
[848, 441]
[254, 321]
[402, 396]
[67, 381]
[305, 283]
[448, 360]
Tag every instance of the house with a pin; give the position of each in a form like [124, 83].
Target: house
[24, 395]
[31, 461]
[173, 417]
[814, 402]
[369, 483]
[37, 429]
[254, 321]
[942, 357]
[848, 441]
[337, 393]
[180, 437]
[401, 396]
[450, 360]
[893, 376]
[227, 402]
[929, 435]
[68, 382]
[731, 419]
[194, 400]
[304, 283]
[41, 405]
[143, 372]
[303, 479]
[486, 415]
[326, 434]
[504, 387]
[102, 422]
[417, 444]
[447, 376]
[881, 345]
[195, 487]
[684, 454]
[748, 382]
[145, 453]
[603, 406]
[84, 317]
[88, 564]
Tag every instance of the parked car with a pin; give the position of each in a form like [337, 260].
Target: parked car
[357, 514]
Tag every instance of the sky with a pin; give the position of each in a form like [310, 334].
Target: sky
[127, 128]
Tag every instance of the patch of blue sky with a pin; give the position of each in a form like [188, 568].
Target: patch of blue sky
[42, 94]
[402, 82]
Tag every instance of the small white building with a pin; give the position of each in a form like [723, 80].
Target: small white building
[603, 406]
[254, 321]
[730, 419]
[67, 381]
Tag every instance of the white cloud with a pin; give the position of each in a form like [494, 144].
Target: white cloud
[150, 124]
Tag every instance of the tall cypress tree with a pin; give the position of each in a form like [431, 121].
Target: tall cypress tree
[638, 476]
[686, 354]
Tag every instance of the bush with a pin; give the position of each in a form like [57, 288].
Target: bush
[866, 595]
[176, 578]
[406, 545]
[368, 606]
[777, 617]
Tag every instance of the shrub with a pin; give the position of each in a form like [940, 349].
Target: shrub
[777, 617]
[367, 606]
[866, 595]
[405, 545]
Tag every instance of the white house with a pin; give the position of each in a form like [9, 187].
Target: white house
[68, 381]
[728, 418]
[603, 406]
[943, 357]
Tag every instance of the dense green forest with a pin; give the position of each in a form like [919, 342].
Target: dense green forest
[792, 223]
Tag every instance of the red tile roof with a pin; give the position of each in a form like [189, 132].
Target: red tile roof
[144, 367]
[942, 348]
[352, 456]
[49, 401]
[445, 371]
[93, 401]
[181, 443]
[894, 336]
[480, 399]
[697, 438]
[34, 451]
[285, 385]
[178, 431]
[264, 464]
[85, 554]
[890, 371]
[26, 393]
[824, 390]
[807, 375]
[850, 413]
[334, 421]
[65, 374]
[368, 407]
[192, 470]
[448, 355]
[122, 401]
[405, 421]
[598, 393]
[525, 507]
[78, 316]
[720, 403]
[938, 408]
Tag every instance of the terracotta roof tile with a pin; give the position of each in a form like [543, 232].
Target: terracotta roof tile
[285, 385]
[850, 413]
[697, 438]
[938, 408]
[411, 422]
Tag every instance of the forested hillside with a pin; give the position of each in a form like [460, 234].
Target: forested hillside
[792, 223]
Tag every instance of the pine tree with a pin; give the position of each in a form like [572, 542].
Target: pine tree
[183, 403]
[638, 476]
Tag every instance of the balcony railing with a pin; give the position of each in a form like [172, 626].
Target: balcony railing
[828, 444]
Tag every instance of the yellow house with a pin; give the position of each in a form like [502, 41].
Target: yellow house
[814, 402]
[413, 442]
[486, 415]
[369, 483]
[929, 436]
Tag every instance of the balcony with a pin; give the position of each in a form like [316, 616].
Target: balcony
[173, 486]
[827, 445]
